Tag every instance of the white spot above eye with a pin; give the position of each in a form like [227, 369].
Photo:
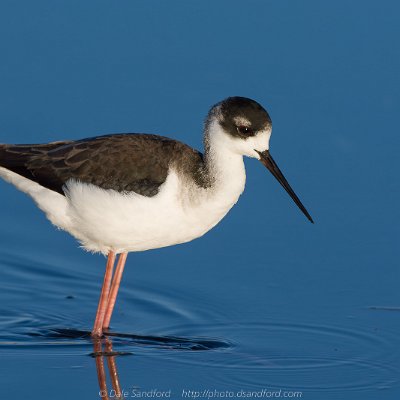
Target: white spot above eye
[241, 121]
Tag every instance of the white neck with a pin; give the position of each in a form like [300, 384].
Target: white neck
[224, 165]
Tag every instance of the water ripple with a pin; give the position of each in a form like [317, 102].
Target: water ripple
[301, 356]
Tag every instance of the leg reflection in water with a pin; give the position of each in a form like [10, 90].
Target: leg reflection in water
[102, 348]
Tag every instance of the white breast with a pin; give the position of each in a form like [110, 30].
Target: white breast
[180, 212]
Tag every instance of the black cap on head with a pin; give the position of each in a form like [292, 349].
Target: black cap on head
[242, 117]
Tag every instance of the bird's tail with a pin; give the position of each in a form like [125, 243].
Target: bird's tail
[14, 157]
[17, 157]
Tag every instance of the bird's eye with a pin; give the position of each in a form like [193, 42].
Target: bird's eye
[245, 130]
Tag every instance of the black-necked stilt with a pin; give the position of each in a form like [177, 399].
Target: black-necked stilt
[131, 192]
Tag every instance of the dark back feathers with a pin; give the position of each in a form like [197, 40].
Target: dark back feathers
[122, 162]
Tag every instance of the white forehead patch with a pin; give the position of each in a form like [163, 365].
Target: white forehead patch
[241, 121]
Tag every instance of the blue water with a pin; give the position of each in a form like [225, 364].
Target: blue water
[265, 301]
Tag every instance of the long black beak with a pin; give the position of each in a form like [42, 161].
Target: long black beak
[269, 162]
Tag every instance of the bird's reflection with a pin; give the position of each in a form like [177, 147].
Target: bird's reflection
[105, 356]
[102, 349]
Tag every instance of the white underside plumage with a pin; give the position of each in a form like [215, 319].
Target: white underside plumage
[104, 220]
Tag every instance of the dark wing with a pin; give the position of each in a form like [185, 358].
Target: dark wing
[122, 162]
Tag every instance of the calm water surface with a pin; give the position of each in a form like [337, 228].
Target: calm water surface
[175, 330]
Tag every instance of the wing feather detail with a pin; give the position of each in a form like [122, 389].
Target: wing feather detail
[123, 162]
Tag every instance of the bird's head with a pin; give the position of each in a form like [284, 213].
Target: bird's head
[244, 127]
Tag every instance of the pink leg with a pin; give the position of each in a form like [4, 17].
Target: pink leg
[101, 309]
[114, 289]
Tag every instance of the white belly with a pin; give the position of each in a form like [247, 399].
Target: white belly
[105, 219]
